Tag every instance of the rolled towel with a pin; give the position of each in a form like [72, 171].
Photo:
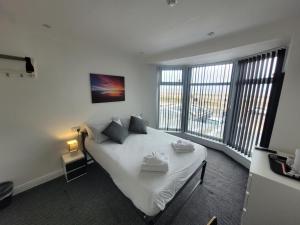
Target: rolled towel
[183, 146]
[157, 162]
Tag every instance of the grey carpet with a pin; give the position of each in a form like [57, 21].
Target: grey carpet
[94, 200]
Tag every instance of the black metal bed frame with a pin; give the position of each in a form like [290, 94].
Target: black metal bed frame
[151, 220]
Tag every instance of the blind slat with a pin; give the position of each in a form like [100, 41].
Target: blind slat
[239, 105]
[249, 109]
[253, 106]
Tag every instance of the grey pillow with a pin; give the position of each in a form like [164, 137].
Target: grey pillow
[115, 132]
[137, 125]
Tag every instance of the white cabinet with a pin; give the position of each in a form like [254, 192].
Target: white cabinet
[270, 199]
[74, 164]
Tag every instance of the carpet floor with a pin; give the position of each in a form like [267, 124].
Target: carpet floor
[94, 200]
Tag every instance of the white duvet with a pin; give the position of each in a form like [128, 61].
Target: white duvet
[149, 191]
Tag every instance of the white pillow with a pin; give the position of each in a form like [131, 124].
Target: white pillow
[117, 120]
[138, 116]
[125, 122]
[95, 131]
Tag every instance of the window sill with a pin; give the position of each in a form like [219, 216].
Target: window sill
[240, 158]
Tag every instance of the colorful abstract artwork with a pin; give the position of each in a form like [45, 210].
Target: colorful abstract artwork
[107, 88]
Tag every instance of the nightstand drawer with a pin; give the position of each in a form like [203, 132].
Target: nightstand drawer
[76, 173]
[76, 164]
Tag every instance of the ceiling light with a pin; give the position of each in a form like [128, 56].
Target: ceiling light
[172, 2]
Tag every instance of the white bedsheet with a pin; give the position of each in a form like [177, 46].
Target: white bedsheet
[149, 191]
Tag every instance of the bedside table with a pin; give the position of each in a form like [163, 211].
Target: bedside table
[74, 164]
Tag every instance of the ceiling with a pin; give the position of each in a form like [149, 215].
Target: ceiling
[145, 26]
[228, 54]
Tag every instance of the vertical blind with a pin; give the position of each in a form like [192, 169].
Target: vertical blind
[234, 103]
[170, 99]
[253, 99]
[208, 99]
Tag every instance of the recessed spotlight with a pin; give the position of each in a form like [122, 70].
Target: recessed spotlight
[46, 26]
[172, 3]
[211, 34]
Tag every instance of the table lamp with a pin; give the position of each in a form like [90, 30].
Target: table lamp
[73, 145]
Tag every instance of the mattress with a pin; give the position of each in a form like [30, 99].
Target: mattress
[149, 191]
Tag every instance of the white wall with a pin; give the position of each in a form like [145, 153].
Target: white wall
[36, 114]
[286, 134]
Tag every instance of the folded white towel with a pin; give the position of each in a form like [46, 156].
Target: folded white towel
[161, 168]
[157, 162]
[183, 146]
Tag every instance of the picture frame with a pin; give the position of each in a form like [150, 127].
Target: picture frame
[107, 88]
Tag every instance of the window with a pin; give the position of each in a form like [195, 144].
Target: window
[256, 78]
[170, 99]
[208, 99]
[234, 103]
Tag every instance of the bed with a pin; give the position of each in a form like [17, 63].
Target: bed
[150, 192]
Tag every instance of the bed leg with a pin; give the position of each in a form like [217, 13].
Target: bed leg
[148, 220]
[203, 172]
[151, 222]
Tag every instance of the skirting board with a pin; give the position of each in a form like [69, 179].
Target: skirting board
[37, 181]
[40, 180]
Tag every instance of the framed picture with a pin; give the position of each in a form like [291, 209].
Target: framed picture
[107, 88]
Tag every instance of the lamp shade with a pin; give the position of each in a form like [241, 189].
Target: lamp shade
[73, 145]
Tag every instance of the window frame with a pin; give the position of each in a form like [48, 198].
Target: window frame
[187, 85]
[160, 83]
[229, 83]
